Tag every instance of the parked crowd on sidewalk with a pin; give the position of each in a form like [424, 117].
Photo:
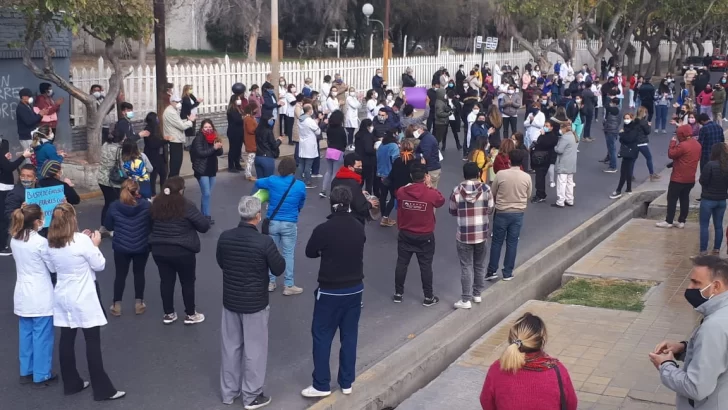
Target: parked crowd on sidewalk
[391, 160]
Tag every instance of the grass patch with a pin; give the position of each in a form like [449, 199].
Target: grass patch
[603, 293]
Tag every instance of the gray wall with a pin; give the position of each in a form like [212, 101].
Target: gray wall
[14, 76]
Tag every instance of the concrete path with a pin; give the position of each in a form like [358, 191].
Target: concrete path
[605, 350]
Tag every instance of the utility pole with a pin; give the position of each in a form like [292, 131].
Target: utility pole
[385, 60]
[274, 62]
[160, 55]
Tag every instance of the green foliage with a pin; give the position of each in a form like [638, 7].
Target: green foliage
[221, 40]
[610, 294]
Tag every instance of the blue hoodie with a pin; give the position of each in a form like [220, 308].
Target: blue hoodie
[386, 154]
[45, 152]
[429, 150]
[131, 225]
[277, 186]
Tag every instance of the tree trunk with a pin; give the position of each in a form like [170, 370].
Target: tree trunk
[142, 54]
[701, 47]
[253, 44]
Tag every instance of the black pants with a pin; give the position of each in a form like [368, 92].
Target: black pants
[678, 191]
[588, 118]
[424, 247]
[625, 174]
[111, 194]
[511, 122]
[650, 110]
[440, 133]
[4, 222]
[384, 205]
[160, 170]
[541, 173]
[431, 119]
[176, 151]
[72, 382]
[350, 136]
[236, 149]
[368, 172]
[169, 268]
[455, 128]
[288, 124]
[121, 263]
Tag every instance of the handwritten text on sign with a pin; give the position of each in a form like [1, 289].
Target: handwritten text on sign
[47, 199]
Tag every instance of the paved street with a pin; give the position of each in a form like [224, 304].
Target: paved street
[177, 367]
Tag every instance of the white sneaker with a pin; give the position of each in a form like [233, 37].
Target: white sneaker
[679, 225]
[272, 286]
[462, 305]
[477, 299]
[346, 391]
[313, 393]
[663, 224]
[508, 278]
[553, 185]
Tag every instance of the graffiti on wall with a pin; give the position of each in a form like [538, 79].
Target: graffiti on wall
[8, 97]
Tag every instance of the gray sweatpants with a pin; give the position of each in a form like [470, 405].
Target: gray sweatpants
[244, 354]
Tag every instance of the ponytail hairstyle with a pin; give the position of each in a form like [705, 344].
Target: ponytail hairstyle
[171, 204]
[129, 192]
[63, 226]
[23, 221]
[42, 132]
[528, 335]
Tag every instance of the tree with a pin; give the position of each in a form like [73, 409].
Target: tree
[106, 20]
[241, 21]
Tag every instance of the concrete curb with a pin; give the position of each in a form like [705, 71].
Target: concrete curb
[423, 358]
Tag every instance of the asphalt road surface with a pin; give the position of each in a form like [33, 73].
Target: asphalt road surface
[177, 367]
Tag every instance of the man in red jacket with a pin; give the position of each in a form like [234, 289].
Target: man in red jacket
[416, 221]
[685, 153]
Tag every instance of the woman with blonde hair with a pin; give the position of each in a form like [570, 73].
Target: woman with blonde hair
[189, 106]
[525, 377]
[565, 167]
[501, 160]
[643, 141]
[128, 218]
[33, 298]
[75, 256]
[495, 120]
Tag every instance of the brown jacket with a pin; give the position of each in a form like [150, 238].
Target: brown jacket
[249, 126]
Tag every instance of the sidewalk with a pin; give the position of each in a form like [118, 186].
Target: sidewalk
[605, 350]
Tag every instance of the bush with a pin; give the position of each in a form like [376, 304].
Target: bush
[220, 40]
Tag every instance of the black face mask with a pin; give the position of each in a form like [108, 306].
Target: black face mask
[695, 296]
[358, 170]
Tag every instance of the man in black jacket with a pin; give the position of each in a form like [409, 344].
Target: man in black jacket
[349, 175]
[26, 119]
[647, 97]
[339, 242]
[245, 257]
[124, 126]
[589, 101]
[7, 168]
[432, 98]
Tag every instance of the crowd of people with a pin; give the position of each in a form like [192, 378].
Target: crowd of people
[392, 159]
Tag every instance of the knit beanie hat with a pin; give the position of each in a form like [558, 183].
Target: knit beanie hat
[50, 169]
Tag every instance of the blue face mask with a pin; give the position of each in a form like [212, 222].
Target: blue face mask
[271, 122]
[546, 129]
[270, 91]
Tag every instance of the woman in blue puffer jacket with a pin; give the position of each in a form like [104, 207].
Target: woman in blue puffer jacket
[129, 219]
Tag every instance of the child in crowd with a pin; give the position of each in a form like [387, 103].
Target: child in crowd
[137, 167]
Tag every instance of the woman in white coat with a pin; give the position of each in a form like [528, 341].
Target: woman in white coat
[332, 102]
[76, 258]
[533, 125]
[372, 102]
[497, 75]
[565, 167]
[33, 299]
[307, 144]
[351, 121]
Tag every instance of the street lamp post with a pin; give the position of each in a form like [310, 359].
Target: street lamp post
[368, 10]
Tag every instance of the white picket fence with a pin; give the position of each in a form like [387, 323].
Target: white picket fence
[212, 82]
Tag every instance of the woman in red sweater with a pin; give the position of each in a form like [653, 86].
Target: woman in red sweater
[502, 160]
[525, 377]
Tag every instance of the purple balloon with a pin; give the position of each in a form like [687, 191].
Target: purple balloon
[416, 97]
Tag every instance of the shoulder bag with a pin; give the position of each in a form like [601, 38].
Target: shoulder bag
[562, 395]
[117, 174]
[265, 225]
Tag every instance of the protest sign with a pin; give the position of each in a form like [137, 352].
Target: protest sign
[47, 199]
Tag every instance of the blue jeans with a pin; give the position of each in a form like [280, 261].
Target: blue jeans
[645, 151]
[36, 347]
[612, 149]
[661, 117]
[716, 209]
[264, 166]
[337, 309]
[506, 227]
[316, 168]
[284, 235]
[295, 154]
[332, 167]
[206, 185]
[303, 171]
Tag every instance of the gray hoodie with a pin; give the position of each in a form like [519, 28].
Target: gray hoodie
[702, 382]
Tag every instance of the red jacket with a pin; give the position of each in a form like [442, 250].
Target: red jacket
[526, 389]
[416, 209]
[685, 157]
[44, 101]
[501, 162]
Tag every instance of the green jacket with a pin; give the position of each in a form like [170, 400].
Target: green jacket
[718, 98]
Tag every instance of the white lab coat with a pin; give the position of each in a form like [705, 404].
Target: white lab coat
[33, 288]
[308, 129]
[283, 109]
[471, 120]
[332, 104]
[290, 109]
[533, 128]
[325, 90]
[371, 109]
[497, 73]
[76, 302]
[352, 112]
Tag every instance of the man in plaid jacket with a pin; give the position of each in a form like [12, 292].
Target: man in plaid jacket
[710, 133]
[471, 202]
